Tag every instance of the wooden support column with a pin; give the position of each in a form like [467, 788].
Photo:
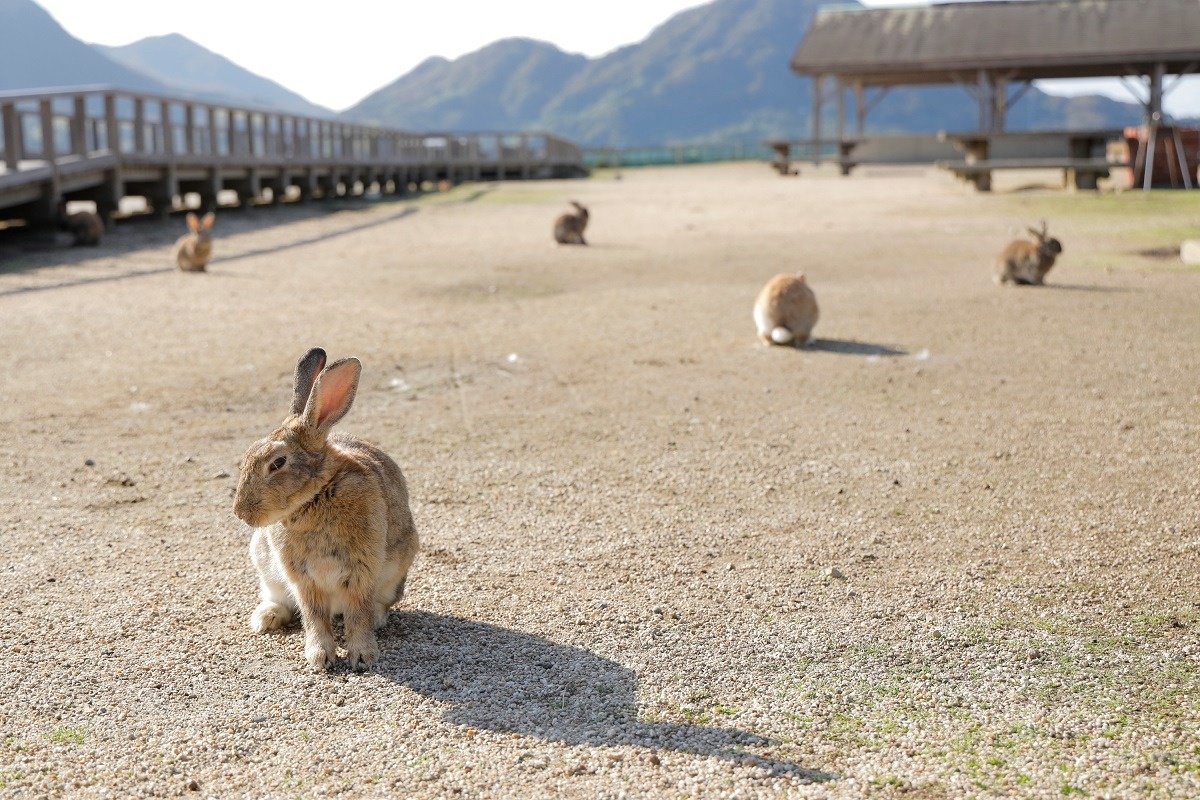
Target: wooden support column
[1153, 121]
[841, 110]
[999, 92]
[860, 108]
[817, 99]
[984, 97]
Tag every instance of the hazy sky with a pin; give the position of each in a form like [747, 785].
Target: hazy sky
[350, 48]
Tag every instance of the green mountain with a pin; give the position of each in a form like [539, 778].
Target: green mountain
[36, 53]
[715, 73]
[189, 69]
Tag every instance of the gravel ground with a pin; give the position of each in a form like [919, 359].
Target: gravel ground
[948, 551]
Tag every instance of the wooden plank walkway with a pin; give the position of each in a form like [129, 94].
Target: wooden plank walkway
[103, 144]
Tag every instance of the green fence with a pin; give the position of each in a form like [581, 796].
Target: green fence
[682, 154]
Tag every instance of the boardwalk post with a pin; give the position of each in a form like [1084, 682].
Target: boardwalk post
[139, 126]
[108, 195]
[168, 186]
[79, 143]
[48, 204]
[13, 141]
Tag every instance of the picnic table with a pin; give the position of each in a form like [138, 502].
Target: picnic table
[1083, 163]
[810, 151]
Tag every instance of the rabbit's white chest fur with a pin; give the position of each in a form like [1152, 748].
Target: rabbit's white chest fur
[327, 572]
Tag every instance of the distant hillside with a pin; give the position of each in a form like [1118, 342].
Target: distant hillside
[714, 73]
[501, 87]
[36, 53]
[189, 69]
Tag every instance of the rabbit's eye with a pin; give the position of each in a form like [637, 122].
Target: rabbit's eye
[277, 463]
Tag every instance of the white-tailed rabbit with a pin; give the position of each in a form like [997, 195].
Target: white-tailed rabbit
[334, 533]
[786, 311]
[85, 227]
[1026, 263]
[568, 229]
[192, 250]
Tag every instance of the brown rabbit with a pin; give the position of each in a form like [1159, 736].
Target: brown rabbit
[1026, 263]
[786, 311]
[568, 229]
[192, 250]
[85, 227]
[334, 531]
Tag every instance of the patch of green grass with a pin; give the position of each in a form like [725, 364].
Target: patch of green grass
[74, 735]
[1150, 622]
[1067, 789]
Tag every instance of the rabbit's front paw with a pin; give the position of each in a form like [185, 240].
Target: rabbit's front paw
[319, 656]
[362, 653]
[269, 617]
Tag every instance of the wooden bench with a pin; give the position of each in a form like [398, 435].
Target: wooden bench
[784, 155]
[1081, 173]
[1081, 165]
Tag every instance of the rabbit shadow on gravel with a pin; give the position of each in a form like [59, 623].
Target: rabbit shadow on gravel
[1083, 287]
[494, 678]
[851, 347]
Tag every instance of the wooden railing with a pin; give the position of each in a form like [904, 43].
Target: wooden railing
[103, 143]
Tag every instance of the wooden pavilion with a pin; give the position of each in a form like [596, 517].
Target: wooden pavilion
[995, 49]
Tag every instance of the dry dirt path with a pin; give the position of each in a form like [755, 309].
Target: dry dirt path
[949, 551]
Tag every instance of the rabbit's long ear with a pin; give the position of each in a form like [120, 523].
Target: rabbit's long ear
[332, 395]
[207, 221]
[307, 369]
[193, 222]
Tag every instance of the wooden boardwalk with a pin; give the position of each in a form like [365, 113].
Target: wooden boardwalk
[103, 144]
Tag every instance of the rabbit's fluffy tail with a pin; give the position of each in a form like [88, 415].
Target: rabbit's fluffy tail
[781, 335]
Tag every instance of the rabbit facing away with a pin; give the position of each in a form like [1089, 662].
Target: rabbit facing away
[568, 228]
[85, 227]
[333, 530]
[786, 311]
[193, 249]
[1026, 263]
